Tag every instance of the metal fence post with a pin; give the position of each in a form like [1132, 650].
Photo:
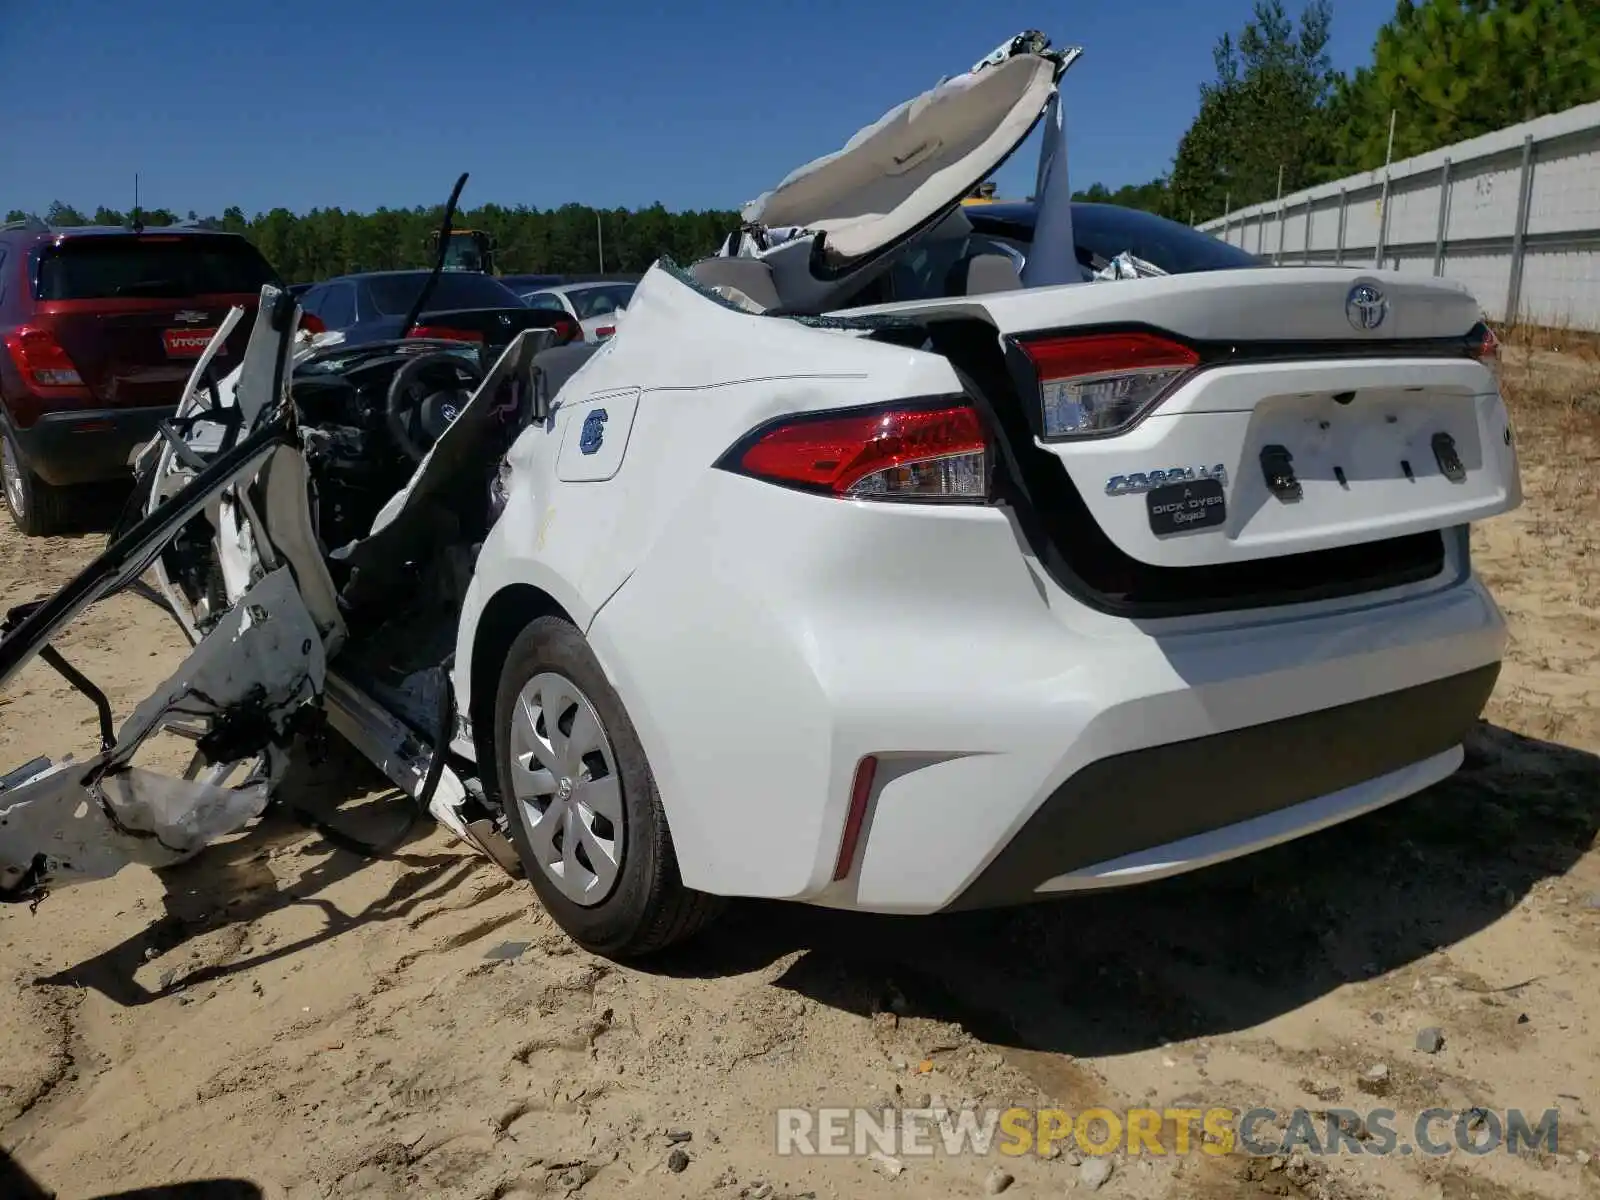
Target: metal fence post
[1277, 259]
[1344, 208]
[1383, 204]
[1305, 255]
[1519, 238]
[1444, 214]
[1383, 228]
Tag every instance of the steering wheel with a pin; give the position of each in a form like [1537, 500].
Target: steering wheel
[425, 396]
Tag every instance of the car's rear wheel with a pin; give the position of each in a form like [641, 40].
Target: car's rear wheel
[36, 507]
[581, 803]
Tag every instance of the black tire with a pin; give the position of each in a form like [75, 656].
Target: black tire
[648, 909]
[40, 509]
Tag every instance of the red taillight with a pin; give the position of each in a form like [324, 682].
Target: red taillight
[860, 793]
[1482, 343]
[604, 331]
[1102, 382]
[41, 359]
[884, 454]
[442, 331]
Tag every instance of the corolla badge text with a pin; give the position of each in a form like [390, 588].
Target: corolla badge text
[1144, 481]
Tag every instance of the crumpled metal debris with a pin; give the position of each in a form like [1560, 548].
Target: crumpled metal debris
[1127, 265]
[243, 685]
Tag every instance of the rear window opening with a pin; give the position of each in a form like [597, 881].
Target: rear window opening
[1103, 231]
[923, 270]
[162, 267]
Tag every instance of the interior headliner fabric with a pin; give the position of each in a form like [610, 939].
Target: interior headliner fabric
[913, 161]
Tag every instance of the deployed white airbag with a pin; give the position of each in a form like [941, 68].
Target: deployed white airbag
[914, 161]
[830, 224]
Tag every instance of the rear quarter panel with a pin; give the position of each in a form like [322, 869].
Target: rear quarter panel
[704, 375]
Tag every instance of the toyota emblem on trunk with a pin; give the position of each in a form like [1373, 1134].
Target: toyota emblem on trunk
[1365, 307]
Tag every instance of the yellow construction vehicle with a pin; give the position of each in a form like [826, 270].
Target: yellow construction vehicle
[982, 194]
[468, 250]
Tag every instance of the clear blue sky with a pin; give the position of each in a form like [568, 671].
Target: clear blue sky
[696, 103]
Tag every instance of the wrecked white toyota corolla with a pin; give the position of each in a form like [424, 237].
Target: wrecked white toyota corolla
[903, 556]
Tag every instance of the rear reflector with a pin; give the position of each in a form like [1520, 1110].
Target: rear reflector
[860, 793]
[41, 360]
[1102, 382]
[441, 331]
[876, 454]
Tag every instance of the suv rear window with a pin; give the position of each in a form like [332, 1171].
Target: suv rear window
[106, 268]
[393, 295]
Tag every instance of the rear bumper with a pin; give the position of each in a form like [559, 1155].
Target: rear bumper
[87, 445]
[1158, 811]
[1019, 736]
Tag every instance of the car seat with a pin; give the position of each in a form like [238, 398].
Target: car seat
[980, 274]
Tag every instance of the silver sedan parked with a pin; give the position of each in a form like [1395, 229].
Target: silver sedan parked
[595, 305]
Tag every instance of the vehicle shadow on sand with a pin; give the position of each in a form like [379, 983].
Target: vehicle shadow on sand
[231, 883]
[1205, 954]
[17, 1184]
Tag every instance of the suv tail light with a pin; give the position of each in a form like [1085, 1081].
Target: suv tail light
[1484, 345]
[441, 331]
[1101, 383]
[41, 359]
[892, 453]
[604, 331]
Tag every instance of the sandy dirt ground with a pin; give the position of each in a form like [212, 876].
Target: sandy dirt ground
[326, 1026]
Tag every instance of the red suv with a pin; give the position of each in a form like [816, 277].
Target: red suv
[101, 329]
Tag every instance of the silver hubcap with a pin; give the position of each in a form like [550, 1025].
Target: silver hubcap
[564, 777]
[11, 472]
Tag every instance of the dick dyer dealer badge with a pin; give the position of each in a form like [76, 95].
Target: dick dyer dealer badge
[1182, 507]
